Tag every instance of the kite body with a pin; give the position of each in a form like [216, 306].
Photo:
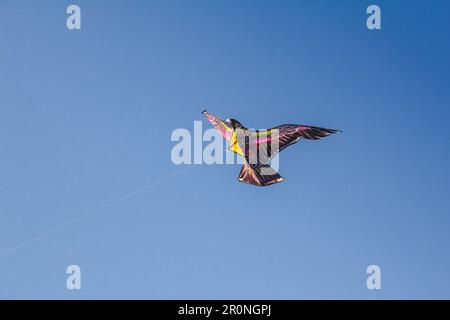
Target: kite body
[259, 147]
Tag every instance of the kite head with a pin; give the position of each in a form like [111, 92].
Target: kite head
[234, 123]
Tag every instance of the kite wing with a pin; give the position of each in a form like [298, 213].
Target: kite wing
[266, 144]
[221, 125]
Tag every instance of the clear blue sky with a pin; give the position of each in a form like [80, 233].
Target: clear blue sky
[86, 117]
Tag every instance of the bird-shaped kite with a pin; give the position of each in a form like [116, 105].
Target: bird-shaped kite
[259, 147]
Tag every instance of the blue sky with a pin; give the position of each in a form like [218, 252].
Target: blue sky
[86, 118]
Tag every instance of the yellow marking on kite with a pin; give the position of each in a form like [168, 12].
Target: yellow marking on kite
[234, 145]
[226, 127]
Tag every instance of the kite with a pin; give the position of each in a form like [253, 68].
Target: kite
[259, 147]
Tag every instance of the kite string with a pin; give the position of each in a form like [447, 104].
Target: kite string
[93, 212]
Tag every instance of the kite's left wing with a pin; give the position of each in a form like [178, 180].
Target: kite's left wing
[221, 125]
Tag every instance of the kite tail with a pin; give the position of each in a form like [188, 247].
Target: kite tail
[259, 174]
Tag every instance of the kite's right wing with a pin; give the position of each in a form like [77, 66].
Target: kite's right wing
[289, 134]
